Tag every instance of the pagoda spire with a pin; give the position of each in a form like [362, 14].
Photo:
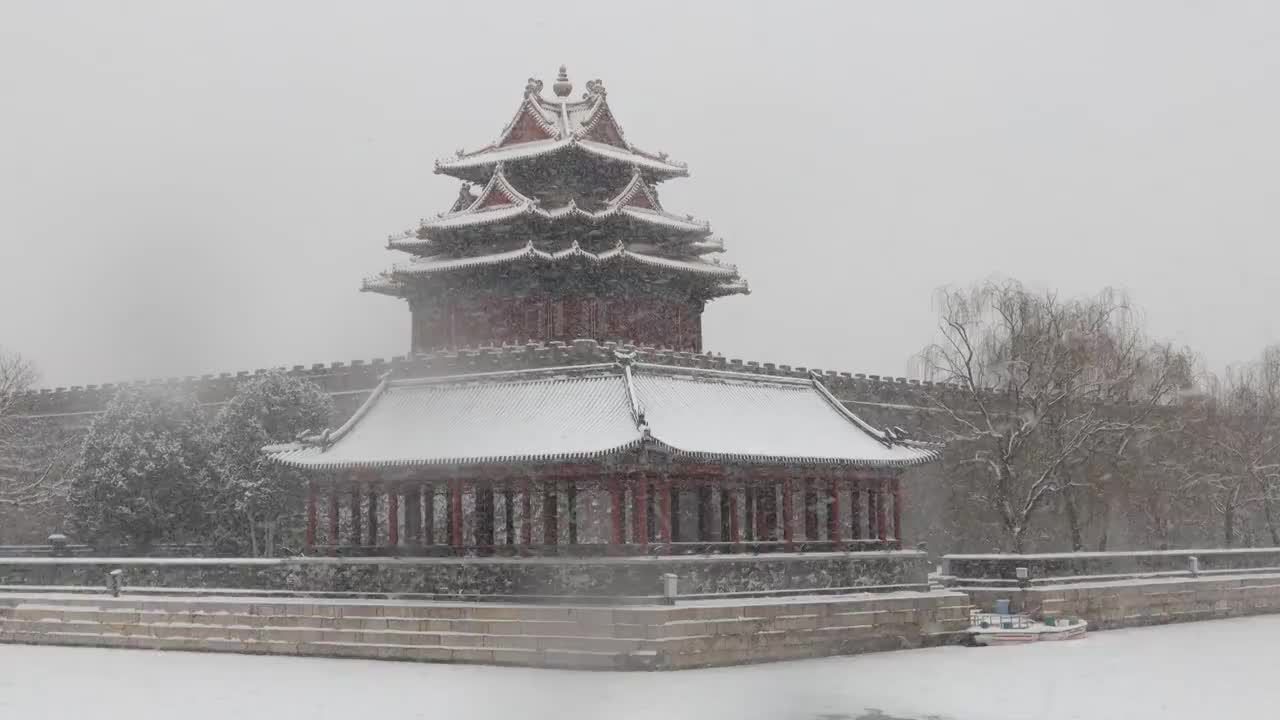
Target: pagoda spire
[562, 87]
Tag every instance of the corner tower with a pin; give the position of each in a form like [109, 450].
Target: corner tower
[557, 234]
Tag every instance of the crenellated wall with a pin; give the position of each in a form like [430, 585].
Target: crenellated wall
[896, 394]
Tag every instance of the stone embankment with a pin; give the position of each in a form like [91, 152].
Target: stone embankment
[692, 634]
[1123, 589]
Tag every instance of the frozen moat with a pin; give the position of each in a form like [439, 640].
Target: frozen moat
[1214, 669]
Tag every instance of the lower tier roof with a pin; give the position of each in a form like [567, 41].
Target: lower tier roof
[597, 412]
[722, 279]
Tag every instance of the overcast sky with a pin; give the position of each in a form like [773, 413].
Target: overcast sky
[196, 187]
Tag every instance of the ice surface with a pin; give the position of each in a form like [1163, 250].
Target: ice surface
[1220, 669]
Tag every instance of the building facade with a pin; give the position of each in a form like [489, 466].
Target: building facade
[558, 238]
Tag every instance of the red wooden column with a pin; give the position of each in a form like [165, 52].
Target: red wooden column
[704, 509]
[735, 534]
[333, 517]
[640, 509]
[855, 511]
[874, 516]
[881, 493]
[664, 509]
[429, 514]
[897, 509]
[550, 512]
[508, 512]
[483, 514]
[788, 511]
[393, 517]
[762, 491]
[833, 508]
[373, 516]
[455, 512]
[357, 532]
[810, 509]
[526, 513]
[413, 516]
[616, 533]
[311, 515]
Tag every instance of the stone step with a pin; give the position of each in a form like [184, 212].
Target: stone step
[504, 627]
[246, 633]
[679, 628]
[577, 659]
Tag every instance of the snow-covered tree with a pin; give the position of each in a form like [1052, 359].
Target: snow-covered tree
[261, 501]
[1046, 388]
[143, 472]
[31, 464]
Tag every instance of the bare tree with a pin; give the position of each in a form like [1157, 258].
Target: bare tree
[1238, 438]
[1039, 385]
[30, 468]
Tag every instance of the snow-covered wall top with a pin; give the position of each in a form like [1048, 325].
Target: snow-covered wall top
[358, 376]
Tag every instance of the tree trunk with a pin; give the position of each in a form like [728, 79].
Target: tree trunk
[253, 538]
[1229, 525]
[1073, 519]
[1015, 538]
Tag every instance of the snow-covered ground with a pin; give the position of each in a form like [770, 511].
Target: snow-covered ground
[1222, 669]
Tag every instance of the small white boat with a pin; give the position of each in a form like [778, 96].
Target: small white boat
[1013, 629]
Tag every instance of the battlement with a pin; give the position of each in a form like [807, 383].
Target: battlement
[360, 376]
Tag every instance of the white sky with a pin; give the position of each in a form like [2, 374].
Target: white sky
[194, 187]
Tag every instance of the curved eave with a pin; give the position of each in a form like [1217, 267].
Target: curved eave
[737, 287]
[478, 165]
[383, 285]
[916, 458]
[449, 225]
[531, 254]
[313, 458]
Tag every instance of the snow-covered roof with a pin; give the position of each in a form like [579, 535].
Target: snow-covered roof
[594, 411]
[548, 125]
[445, 263]
[500, 202]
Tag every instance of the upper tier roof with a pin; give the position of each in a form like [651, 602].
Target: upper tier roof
[542, 126]
[597, 411]
[500, 202]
